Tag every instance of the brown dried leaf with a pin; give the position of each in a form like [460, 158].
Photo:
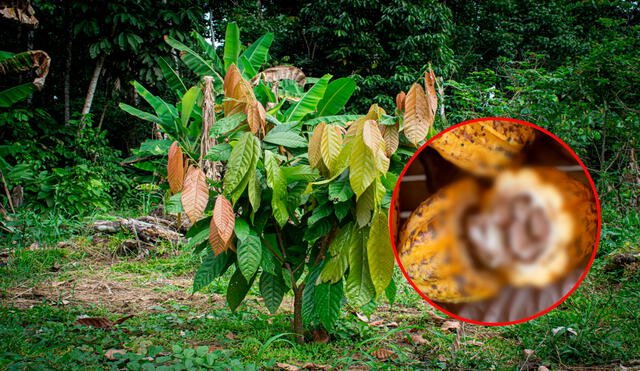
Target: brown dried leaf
[416, 116]
[100, 322]
[450, 325]
[400, 101]
[277, 73]
[120, 320]
[224, 218]
[391, 139]
[474, 342]
[418, 339]
[430, 90]
[287, 367]
[175, 169]
[320, 336]
[111, 354]
[315, 143]
[195, 193]
[230, 335]
[384, 354]
[315, 366]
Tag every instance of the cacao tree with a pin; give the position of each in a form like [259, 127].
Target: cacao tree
[300, 195]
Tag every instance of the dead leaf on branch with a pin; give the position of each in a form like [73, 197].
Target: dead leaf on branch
[430, 90]
[400, 101]
[416, 123]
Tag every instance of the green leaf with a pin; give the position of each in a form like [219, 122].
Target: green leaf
[272, 289]
[287, 139]
[359, 287]
[328, 298]
[321, 211]
[188, 102]
[309, 101]
[317, 230]
[365, 205]
[166, 112]
[195, 62]
[336, 96]
[199, 232]
[257, 52]
[249, 255]
[173, 80]
[336, 119]
[247, 70]
[330, 146]
[337, 264]
[299, 172]
[342, 209]
[255, 191]
[391, 292]
[240, 161]
[241, 229]
[226, 124]
[362, 166]
[174, 205]
[237, 289]
[231, 45]
[308, 295]
[209, 51]
[15, 94]
[275, 181]
[379, 252]
[340, 190]
[269, 262]
[139, 114]
[211, 268]
[219, 152]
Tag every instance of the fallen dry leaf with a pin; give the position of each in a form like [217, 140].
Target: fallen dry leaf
[320, 336]
[418, 339]
[378, 323]
[442, 358]
[543, 368]
[556, 330]
[229, 335]
[213, 347]
[384, 354]
[450, 325]
[392, 324]
[315, 366]
[286, 366]
[362, 317]
[111, 354]
[528, 352]
[100, 322]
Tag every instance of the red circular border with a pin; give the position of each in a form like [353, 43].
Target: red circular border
[593, 255]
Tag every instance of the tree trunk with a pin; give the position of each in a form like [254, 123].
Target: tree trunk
[91, 91]
[297, 325]
[67, 77]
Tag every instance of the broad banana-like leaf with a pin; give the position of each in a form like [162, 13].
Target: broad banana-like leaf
[209, 51]
[257, 52]
[167, 113]
[309, 101]
[173, 80]
[189, 100]
[337, 94]
[195, 62]
[231, 45]
[15, 94]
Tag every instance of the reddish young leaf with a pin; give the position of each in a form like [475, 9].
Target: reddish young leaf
[216, 242]
[400, 101]
[430, 90]
[175, 169]
[195, 193]
[224, 218]
[256, 116]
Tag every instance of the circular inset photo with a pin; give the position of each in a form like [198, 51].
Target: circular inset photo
[496, 221]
